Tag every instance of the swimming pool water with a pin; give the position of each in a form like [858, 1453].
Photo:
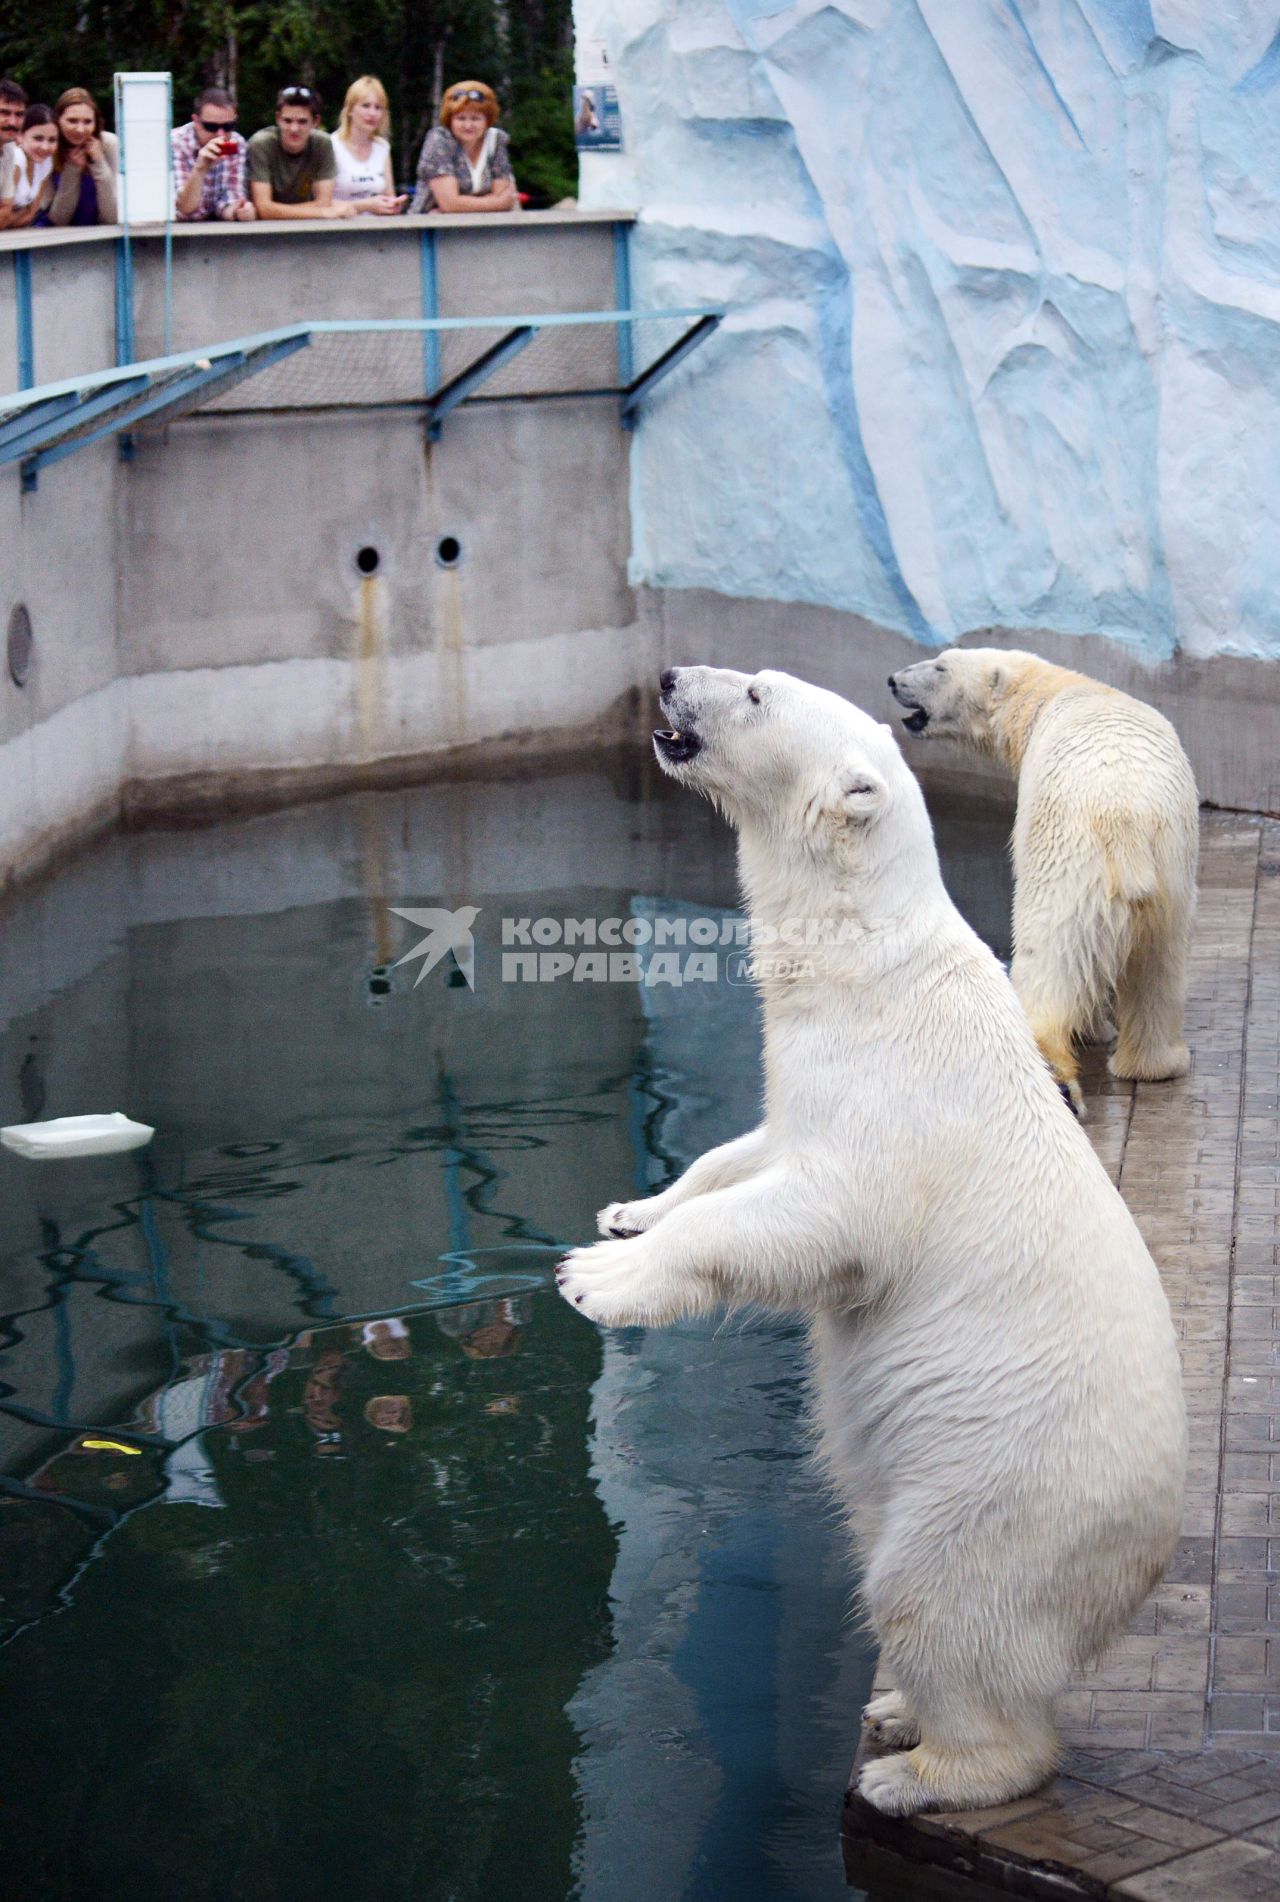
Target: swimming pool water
[338, 1557]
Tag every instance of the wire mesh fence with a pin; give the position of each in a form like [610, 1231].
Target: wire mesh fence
[352, 369]
[354, 366]
[172, 393]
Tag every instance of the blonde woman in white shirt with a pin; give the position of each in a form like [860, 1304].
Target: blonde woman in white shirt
[362, 147]
[26, 169]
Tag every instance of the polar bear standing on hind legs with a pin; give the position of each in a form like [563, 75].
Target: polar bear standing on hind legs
[998, 1395]
[1104, 849]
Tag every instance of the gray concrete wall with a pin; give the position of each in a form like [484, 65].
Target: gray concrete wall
[73, 295]
[202, 630]
[534, 495]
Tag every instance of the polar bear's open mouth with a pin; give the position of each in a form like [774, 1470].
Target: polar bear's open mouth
[915, 719]
[679, 748]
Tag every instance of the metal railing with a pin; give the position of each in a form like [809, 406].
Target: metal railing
[452, 359]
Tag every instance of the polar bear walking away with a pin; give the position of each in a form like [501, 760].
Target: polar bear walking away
[1104, 849]
[997, 1385]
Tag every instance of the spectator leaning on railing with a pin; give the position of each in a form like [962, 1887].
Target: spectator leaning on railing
[362, 149]
[85, 167]
[208, 161]
[26, 169]
[464, 164]
[13, 103]
[292, 169]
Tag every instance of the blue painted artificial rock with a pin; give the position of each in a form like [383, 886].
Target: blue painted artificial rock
[1005, 283]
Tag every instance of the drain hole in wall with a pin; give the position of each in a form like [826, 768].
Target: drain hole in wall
[448, 551]
[367, 560]
[21, 642]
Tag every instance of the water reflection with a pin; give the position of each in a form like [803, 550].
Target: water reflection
[336, 1554]
[376, 1626]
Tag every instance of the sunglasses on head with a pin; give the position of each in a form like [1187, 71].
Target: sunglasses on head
[467, 92]
[297, 96]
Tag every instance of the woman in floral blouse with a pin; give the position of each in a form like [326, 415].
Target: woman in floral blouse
[464, 164]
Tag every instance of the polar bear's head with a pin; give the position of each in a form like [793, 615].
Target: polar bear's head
[954, 696]
[792, 765]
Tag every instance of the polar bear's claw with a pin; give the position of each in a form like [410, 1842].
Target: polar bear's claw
[620, 1221]
[888, 1723]
[617, 1284]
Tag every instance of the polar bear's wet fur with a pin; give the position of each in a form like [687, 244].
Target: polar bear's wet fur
[997, 1389]
[1104, 849]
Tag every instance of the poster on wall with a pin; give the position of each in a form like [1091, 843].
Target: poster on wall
[597, 122]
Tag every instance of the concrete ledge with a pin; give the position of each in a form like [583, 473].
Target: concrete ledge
[183, 802]
[879, 1871]
[191, 799]
[1093, 1834]
[45, 238]
[282, 733]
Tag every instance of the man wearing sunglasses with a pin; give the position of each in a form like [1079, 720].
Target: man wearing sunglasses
[291, 164]
[208, 161]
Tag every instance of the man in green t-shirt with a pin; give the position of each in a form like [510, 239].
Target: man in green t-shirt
[290, 166]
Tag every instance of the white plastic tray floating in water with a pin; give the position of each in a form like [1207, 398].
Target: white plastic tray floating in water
[76, 1136]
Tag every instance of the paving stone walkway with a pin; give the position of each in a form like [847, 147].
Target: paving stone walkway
[1171, 1782]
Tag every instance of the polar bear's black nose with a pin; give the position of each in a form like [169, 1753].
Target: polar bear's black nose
[890, 681]
[667, 678]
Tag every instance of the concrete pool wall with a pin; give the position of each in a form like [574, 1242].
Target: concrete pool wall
[201, 628]
[203, 636]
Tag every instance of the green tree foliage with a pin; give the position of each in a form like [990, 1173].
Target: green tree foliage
[523, 48]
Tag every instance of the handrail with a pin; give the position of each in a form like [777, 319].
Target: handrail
[42, 425]
[338, 326]
[38, 237]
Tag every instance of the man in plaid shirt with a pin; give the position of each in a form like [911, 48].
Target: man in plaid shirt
[208, 161]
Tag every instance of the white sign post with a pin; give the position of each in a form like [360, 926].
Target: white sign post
[144, 117]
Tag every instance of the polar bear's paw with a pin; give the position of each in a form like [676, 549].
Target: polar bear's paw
[891, 1785]
[932, 1779]
[1158, 1065]
[888, 1724]
[618, 1221]
[618, 1284]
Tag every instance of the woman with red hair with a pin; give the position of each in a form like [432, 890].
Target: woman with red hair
[464, 164]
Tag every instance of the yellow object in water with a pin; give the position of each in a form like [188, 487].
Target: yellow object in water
[108, 1446]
